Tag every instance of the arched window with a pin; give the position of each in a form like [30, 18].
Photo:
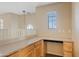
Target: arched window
[29, 27]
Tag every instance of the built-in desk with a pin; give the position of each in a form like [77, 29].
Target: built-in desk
[64, 48]
[21, 45]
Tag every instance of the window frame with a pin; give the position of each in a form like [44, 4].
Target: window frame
[52, 14]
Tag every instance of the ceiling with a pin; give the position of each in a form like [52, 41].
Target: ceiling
[18, 7]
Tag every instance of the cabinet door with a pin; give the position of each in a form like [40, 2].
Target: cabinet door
[38, 49]
[30, 53]
[67, 49]
[32, 50]
[26, 52]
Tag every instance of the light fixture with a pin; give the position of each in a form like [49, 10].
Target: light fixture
[29, 27]
[24, 14]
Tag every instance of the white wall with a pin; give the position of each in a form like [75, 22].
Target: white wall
[75, 27]
[40, 20]
[63, 20]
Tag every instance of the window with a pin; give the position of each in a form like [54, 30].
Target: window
[29, 27]
[52, 20]
[1, 23]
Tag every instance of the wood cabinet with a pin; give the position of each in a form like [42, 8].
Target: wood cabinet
[33, 50]
[67, 49]
[27, 51]
[38, 49]
[13, 54]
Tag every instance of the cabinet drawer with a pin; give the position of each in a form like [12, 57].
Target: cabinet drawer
[67, 49]
[67, 44]
[67, 54]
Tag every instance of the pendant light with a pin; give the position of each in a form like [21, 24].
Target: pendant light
[24, 14]
[29, 27]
